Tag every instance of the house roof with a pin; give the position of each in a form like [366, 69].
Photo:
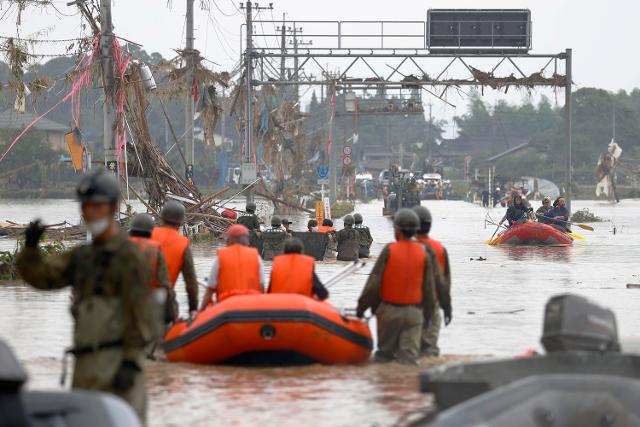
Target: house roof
[11, 119]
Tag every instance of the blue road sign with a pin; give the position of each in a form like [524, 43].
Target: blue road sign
[322, 171]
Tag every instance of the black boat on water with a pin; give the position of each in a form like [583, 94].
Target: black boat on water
[582, 380]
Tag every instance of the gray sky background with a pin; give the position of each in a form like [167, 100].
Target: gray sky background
[603, 35]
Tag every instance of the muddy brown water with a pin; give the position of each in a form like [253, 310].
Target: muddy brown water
[498, 305]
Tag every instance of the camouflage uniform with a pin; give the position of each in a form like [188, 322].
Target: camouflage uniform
[348, 247]
[250, 221]
[364, 240]
[273, 242]
[431, 329]
[396, 321]
[111, 306]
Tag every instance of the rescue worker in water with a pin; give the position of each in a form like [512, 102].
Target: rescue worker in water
[237, 270]
[347, 238]
[176, 249]
[400, 291]
[431, 327]
[294, 273]
[140, 234]
[111, 302]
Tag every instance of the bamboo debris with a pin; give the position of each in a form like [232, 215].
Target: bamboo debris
[161, 181]
[59, 231]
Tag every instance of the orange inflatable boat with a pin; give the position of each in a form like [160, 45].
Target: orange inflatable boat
[270, 329]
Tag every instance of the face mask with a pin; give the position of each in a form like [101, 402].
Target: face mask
[97, 227]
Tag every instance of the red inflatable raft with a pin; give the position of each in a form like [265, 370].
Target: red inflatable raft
[270, 329]
[533, 233]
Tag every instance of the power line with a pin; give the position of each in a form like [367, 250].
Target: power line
[221, 11]
[28, 40]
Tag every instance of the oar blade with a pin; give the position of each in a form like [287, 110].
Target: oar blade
[576, 236]
[585, 227]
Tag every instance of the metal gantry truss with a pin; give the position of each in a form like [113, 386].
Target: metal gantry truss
[382, 55]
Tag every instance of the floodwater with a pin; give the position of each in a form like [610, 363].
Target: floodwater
[498, 305]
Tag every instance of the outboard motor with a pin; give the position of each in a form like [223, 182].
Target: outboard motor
[573, 323]
[12, 377]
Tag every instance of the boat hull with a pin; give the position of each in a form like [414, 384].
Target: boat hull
[534, 233]
[270, 329]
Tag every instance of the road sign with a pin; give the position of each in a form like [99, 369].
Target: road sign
[346, 160]
[327, 208]
[319, 214]
[347, 150]
[322, 171]
[323, 181]
[112, 166]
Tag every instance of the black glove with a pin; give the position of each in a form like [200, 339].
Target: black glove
[530, 210]
[447, 315]
[360, 313]
[126, 375]
[32, 234]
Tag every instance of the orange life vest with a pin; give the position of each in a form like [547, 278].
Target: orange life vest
[150, 249]
[239, 271]
[292, 274]
[325, 229]
[437, 248]
[403, 275]
[173, 245]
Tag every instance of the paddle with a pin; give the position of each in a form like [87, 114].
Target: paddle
[576, 236]
[583, 226]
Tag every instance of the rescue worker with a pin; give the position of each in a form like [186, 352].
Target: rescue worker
[517, 212]
[431, 327]
[559, 214]
[237, 270]
[328, 228]
[347, 239]
[249, 218]
[140, 234]
[273, 239]
[286, 224]
[176, 249]
[294, 273]
[400, 291]
[364, 236]
[546, 206]
[312, 226]
[111, 302]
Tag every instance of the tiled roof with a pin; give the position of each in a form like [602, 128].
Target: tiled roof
[11, 119]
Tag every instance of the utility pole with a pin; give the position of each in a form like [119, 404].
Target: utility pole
[429, 139]
[109, 111]
[283, 47]
[249, 167]
[295, 60]
[567, 127]
[189, 107]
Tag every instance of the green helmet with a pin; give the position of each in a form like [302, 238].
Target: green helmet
[98, 186]
[423, 214]
[142, 223]
[275, 221]
[357, 218]
[348, 220]
[251, 207]
[173, 212]
[406, 219]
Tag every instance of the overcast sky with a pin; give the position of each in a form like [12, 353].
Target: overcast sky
[603, 35]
